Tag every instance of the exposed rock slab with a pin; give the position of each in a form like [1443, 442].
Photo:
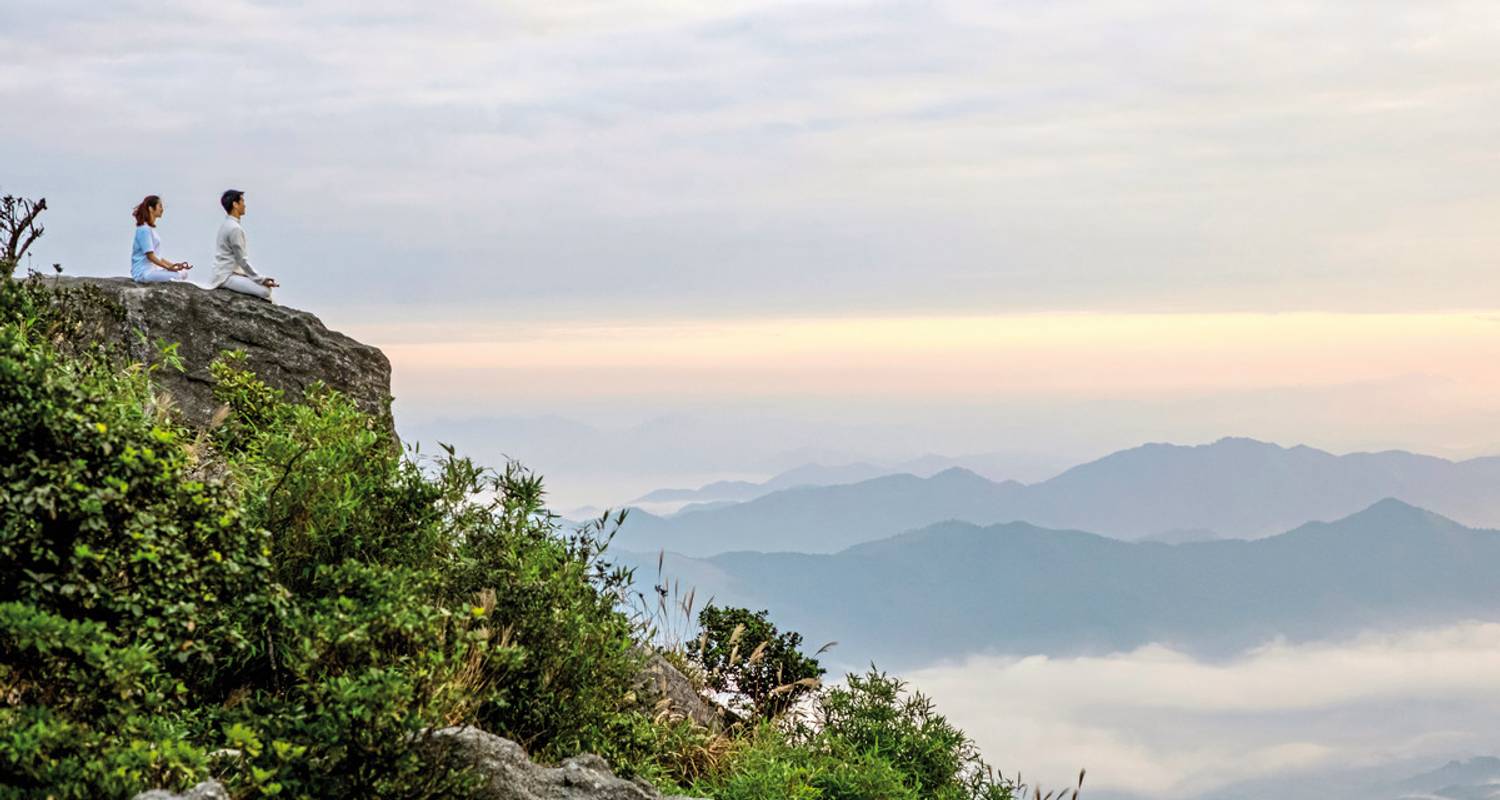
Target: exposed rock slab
[507, 773]
[660, 686]
[287, 348]
[207, 790]
[510, 775]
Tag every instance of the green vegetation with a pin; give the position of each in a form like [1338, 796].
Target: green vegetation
[742, 654]
[289, 603]
[870, 739]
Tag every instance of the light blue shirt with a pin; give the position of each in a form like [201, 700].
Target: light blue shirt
[146, 241]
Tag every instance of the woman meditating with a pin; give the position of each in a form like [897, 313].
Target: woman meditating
[145, 265]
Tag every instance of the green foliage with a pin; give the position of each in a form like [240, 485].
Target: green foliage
[869, 740]
[78, 719]
[116, 563]
[555, 598]
[875, 714]
[743, 654]
[333, 486]
[325, 479]
[772, 764]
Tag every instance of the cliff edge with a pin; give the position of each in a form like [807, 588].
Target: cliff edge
[289, 349]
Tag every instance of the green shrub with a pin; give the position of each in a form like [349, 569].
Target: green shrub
[126, 581]
[869, 740]
[82, 713]
[331, 485]
[326, 480]
[741, 653]
[772, 764]
[875, 714]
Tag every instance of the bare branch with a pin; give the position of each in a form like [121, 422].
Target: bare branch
[19, 226]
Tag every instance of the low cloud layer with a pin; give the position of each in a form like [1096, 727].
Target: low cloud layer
[1157, 723]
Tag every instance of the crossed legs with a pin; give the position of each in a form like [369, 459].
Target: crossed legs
[158, 275]
[244, 285]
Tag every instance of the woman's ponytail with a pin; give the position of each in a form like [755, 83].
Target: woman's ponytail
[143, 211]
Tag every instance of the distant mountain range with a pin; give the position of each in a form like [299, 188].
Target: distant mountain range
[955, 588]
[1474, 779]
[719, 492]
[1229, 489]
[808, 475]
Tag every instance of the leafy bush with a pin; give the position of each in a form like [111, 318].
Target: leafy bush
[126, 582]
[876, 715]
[772, 764]
[869, 740]
[741, 653]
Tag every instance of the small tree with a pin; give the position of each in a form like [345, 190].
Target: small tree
[19, 227]
[743, 654]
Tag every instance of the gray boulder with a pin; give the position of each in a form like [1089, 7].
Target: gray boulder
[510, 775]
[506, 771]
[207, 790]
[287, 348]
[662, 688]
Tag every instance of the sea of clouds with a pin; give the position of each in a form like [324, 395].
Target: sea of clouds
[1156, 723]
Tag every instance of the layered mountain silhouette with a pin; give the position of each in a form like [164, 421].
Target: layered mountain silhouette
[956, 589]
[1474, 779]
[1233, 488]
[989, 464]
[740, 491]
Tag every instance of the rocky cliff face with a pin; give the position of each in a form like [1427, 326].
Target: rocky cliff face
[287, 348]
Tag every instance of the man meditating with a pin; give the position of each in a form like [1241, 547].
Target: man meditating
[232, 268]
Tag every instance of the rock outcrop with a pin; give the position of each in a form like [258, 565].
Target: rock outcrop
[506, 772]
[510, 775]
[662, 688]
[287, 348]
[207, 790]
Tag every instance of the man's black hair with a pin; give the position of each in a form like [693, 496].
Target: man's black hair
[229, 198]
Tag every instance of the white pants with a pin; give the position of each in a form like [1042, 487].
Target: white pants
[244, 285]
[158, 275]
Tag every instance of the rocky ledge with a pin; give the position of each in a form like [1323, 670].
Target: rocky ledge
[287, 348]
[505, 771]
[509, 775]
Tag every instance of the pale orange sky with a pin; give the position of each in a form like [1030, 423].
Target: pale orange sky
[1035, 355]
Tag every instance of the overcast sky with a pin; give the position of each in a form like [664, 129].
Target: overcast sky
[658, 156]
[520, 200]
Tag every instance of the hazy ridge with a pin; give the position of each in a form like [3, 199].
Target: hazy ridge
[955, 589]
[1231, 488]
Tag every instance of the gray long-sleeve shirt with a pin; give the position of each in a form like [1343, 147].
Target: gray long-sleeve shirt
[231, 254]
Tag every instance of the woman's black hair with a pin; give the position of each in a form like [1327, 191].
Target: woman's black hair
[229, 198]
